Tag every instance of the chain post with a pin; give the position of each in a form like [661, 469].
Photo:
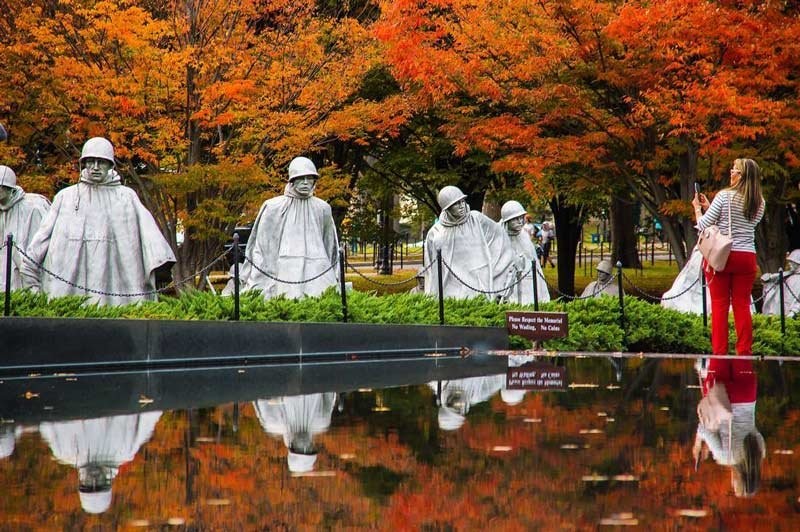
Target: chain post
[783, 314]
[236, 277]
[534, 274]
[9, 249]
[621, 303]
[342, 286]
[441, 287]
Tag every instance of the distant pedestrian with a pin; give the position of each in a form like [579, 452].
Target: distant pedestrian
[546, 237]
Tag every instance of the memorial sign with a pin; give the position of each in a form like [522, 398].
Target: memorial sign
[536, 376]
[537, 325]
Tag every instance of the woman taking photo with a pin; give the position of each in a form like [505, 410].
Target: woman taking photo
[736, 209]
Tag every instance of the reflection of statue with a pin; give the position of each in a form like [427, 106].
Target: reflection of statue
[20, 215]
[457, 396]
[297, 419]
[791, 288]
[605, 283]
[735, 443]
[99, 236]
[98, 448]
[691, 300]
[513, 218]
[473, 246]
[8, 440]
[293, 239]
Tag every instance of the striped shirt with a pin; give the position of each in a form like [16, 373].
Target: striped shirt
[743, 233]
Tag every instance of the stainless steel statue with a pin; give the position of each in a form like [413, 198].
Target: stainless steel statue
[297, 419]
[98, 237]
[97, 448]
[20, 216]
[293, 239]
[513, 218]
[605, 284]
[791, 288]
[476, 253]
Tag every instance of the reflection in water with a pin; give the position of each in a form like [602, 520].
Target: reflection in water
[8, 439]
[297, 419]
[97, 448]
[575, 459]
[456, 396]
[735, 441]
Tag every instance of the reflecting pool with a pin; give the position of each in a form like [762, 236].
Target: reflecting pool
[432, 443]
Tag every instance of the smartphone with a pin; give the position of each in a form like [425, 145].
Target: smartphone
[697, 188]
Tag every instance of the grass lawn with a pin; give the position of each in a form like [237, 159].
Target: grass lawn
[653, 280]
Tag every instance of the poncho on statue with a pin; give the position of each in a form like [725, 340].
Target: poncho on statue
[791, 289]
[474, 247]
[20, 216]
[293, 239]
[527, 263]
[97, 240]
[686, 292]
[97, 448]
[458, 395]
[98, 237]
[297, 419]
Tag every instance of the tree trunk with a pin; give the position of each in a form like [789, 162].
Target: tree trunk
[623, 232]
[772, 240]
[569, 221]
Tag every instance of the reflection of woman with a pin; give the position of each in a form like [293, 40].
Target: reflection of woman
[737, 444]
[736, 209]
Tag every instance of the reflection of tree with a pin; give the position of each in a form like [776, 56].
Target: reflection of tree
[386, 477]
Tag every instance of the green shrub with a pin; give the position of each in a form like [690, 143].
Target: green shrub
[594, 324]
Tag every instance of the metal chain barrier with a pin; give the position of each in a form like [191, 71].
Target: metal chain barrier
[380, 283]
[114, 294]
[569, 296]
[654, 298]
[277, 280]
[485, 292]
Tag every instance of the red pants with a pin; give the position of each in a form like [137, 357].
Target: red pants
[739, 378]
[732, 287]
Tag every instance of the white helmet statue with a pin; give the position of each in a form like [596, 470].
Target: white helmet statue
[301, 463]
[449, 196]
[512, 397]
[99, 148]
[510, 210]
[95, 502]
[7, 177]
[794, 256]
[605, 266]
[302, 166]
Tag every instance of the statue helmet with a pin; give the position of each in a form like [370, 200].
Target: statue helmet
[302, 166]
[99, 148]
[794, 256]
[300, 462]
[7, 177]
[449, 196]
[510, 210]
[605, 266]
[95, 502]
[512, 397]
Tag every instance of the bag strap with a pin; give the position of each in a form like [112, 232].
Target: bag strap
[730, 221]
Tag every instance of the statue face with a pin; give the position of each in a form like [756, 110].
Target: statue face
[5, 193]
[97, 168]
[458, 209]
[515, 224]
[304, 185]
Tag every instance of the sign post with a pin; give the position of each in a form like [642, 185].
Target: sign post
[537, 325]
[537, 375]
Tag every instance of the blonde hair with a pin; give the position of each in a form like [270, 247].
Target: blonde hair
[749, 186]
